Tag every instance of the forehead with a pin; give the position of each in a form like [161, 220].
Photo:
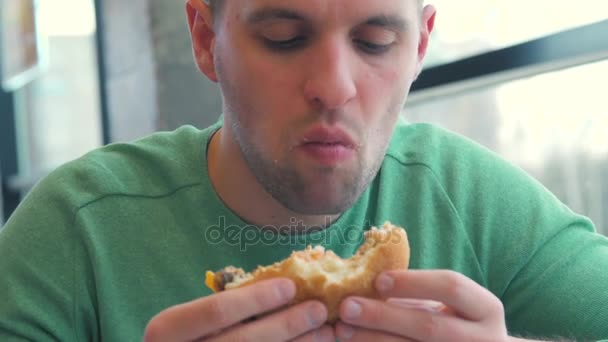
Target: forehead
[326, 11]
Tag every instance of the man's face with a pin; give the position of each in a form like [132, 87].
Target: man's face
[312, 90]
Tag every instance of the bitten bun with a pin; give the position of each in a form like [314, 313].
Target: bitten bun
[321, 274]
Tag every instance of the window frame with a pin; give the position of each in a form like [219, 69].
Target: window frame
[580, 45]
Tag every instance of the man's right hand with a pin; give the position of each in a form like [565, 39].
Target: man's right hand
[223, 317]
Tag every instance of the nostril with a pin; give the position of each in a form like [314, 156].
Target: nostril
[331, 94]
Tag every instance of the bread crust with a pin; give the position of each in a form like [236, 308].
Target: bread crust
[322, 275]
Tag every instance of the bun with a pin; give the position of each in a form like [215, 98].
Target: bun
[321, 274]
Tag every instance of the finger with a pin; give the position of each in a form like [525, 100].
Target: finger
[345, 332]
[323, 334]
[467, 298]
[421, 304]
[210, 314]
[414, 323]
[280, 326]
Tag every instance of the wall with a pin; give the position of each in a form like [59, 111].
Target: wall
[184, 94]
[152, 82]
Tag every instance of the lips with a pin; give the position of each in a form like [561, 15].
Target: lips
[327, 146]
[328, 136]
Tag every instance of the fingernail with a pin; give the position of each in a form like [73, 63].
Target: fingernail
[322, 335]
[352, 309]
[420, 304]
[286, 290]
[385, 282]
[345, 332]
[316, 314]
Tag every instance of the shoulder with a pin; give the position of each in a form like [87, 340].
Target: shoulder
[151, 166]
[437, 147]
[506, 214]
[488, 193]
[461, 166]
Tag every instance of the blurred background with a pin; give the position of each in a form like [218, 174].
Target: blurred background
[527, 79]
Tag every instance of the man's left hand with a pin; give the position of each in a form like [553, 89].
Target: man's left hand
[424, 306]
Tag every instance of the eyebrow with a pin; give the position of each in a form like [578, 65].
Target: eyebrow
[270, 13]
[388, 21]
[393, 22]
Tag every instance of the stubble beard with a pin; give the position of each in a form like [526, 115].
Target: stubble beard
[310, 191]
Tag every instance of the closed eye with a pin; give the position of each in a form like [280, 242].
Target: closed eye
[372, 48]
[285, 44]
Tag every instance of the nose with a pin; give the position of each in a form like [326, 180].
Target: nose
[331, 82]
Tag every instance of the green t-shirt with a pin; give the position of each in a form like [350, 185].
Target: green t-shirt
[107, 241]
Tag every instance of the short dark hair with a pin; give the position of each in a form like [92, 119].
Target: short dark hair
[216, 5]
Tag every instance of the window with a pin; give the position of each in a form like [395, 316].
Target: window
[552, 125]
[58, 114]
[476, 26]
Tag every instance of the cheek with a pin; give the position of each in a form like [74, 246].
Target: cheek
[382, 93]
[264, 87]
[249, 83]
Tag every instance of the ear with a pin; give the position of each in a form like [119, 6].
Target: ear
[427, 24]
[202, 34]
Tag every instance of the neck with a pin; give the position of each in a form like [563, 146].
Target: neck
[240, 190]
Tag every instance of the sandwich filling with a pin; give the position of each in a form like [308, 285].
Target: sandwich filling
[310, 263]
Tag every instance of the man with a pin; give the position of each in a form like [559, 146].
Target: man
[113, 246]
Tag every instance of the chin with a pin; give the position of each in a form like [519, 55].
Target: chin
[320, 205]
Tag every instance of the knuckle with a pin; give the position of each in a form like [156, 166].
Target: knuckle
[242, 337]
[326, 333]
[365, 336]
[296, 320]
[372, 312]
[315, 336]
[154, 330]
[456, 284]
[215, 313]
[303, 338]
[496, 306]
[265, 296]
[317, 314]
[294, 324]
[302, 318]
[360, 337]
[429, 328]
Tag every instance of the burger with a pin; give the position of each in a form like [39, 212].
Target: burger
[322, 275]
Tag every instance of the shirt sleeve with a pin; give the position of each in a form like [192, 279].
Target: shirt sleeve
[563, 287]
[41, 269]
[547, 264]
